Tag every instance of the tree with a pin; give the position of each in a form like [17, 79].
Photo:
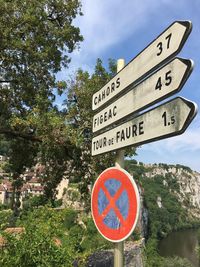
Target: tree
[34, 47]
[36, 39]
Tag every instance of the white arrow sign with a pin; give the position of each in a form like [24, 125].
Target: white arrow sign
[165, 82]
[167, 45]
[169, 119]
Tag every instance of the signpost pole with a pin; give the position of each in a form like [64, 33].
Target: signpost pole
[119, 163]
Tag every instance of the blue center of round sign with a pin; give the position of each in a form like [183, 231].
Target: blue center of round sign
[122, 203]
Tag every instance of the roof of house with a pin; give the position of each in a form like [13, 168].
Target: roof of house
[29, 174]
[37, 188]
[9, 188]
[6, 186]
[34, 180]
[39, 168]
[25, 187]
[6, 182]
[57, 242]
[10, 230]
[2, 188]
[14, 230]
[2, 241]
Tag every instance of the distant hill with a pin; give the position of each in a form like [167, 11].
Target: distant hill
[171, 195]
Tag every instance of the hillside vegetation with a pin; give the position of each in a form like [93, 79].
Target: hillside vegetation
[171, 198]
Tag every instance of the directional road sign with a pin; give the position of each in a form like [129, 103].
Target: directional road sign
[165, 82]
[115, 204]
[164, 47]
[169, 119]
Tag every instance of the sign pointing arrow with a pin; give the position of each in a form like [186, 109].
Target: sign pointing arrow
[166, 120]
[164, 47]
[165, 82]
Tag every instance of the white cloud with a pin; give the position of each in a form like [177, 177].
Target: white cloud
[188, 141]
[107, 22]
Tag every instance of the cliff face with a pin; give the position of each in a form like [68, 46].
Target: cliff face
[170, 197]
[188, 181]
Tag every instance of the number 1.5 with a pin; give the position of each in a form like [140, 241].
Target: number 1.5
[168, 121]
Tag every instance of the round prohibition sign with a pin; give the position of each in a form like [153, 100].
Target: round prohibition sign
[115, 204]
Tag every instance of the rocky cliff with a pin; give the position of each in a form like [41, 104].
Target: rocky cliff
[187, 187]
[170, 195]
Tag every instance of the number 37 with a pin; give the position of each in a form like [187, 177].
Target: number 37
[160, 44]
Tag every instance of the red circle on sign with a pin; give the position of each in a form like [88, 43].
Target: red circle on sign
[127, 185]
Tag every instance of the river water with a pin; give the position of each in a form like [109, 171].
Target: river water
[182, 244]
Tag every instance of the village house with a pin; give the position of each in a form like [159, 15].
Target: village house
[36, 190]
[27, 176]
[33, 182]
[31, 187]
[6, 191]
[2, 194]
[3, 158]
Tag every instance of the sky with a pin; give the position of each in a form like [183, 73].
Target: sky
[121, 29]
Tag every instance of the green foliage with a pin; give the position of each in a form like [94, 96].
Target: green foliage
[197, 249]
[70, 218]
[152, 258]
[5, 218]
[21, 154]
[73, 194]
[36, 246]
[171, 216]
[198, 236]
[57, 203]
[136, 235]
[188, 169]
[83, 233]
[4, 206]
[136, 170]
[34, 202]
[164, 166]
[34, 36]
[176, 262]
[93, 240]
[4, 146]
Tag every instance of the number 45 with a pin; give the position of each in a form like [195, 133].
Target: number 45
[168, 80]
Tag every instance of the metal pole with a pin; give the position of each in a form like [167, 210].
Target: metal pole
[119, 247]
